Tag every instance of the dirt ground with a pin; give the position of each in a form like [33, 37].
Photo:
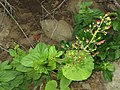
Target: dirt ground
[28, 14]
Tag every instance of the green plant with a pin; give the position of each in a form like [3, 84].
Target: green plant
[116, 22]
[93, 48]
[91, 35]
[85, 17]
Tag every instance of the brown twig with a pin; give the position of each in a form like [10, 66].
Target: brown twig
[3, 16]
[55, 8]
[16, 23]
[3, 48]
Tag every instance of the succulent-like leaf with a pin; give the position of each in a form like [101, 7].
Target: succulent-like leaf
[79, 66]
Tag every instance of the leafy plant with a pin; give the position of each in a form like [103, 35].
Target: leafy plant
[116, 22]
[93, 48]
[91, 35]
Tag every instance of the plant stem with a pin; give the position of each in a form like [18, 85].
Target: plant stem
[94, 35]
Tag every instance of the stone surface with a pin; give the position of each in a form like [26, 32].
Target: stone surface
[74, 5]
[57, 30]
[115, 84]
[86, 86]
[5, 25]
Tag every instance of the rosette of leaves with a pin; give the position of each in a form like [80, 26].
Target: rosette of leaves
[78, 65]
[42, 58]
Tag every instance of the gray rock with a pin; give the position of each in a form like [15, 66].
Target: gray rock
[5, 25]
[74, 5]
[57, 30]
[86, 86]
[115, 84]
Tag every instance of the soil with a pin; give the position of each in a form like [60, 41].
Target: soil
[29, 13]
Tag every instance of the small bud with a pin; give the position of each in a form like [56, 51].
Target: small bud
[107, 27]
[95, 54]
[101, 42]
[108, 18]
[87, 40]
[98, 22]
[76, 37]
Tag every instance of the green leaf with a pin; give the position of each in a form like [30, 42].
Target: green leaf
[6, 86]
[12, 52]
[6, 76]
[85, 4]
[111, 67]
[28, 60]
[51, 85]
[41, 48]
[64, 83]
[102, 55]
[22, 68]
[52, 65]
[36, 76]
[25, 85]
[107, 75]
[52, 52]
[117, 53]
[17, 81]
[40, 66]
[4, 65]
[116, 25]
[1, 88]
[79, 69]
[59, 53]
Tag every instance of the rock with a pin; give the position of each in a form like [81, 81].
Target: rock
[24, 41]
[3, 34]
[74, 5]
[86, 86]
[115, 84]
[5, 25]
[57, 30]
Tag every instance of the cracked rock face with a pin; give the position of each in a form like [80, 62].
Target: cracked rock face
[57, 30]
[5, 25]
[115, 84]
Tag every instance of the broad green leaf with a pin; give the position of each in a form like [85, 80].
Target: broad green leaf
[6, 76]
[67, 88]
[117, 53]
[17, 81]
[22, 68]
[40, 66]
[116, 25]
[59, 53]
[52, 52]
[41, 48]
[6, 86]
[102, 55]
[25, 85]
[107, 75]
[79, 69]
[51, 85]
[5, 65]
[30, 58]
[36, 76]
[64, 83]
[52, 65]
[59, 74]
[111, 67]
[1, 88]
[12, 52]
[85, 4]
